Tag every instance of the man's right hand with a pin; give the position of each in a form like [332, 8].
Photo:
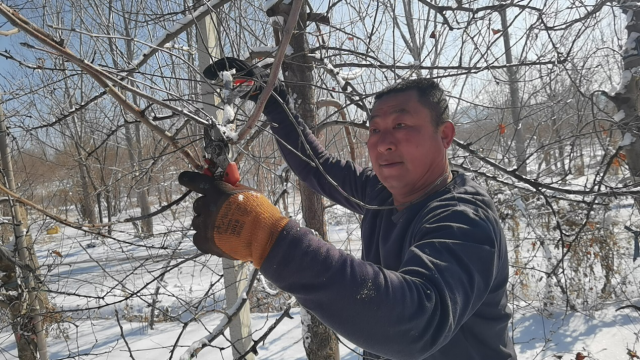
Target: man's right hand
[234, 222]
[244, 70]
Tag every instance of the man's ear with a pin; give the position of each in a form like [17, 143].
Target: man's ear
[447, 133]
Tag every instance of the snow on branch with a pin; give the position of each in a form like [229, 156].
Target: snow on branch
[266, 53]
[178, 28]
[627, 140]
[9, 32]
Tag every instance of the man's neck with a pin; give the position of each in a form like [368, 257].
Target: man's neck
[441, 182]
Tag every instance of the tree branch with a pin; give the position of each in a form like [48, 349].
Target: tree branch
[9, 32]
[275, 69]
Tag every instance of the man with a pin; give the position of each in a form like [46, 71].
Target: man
[432, 280]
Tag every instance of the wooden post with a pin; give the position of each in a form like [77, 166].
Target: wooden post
[235, 274]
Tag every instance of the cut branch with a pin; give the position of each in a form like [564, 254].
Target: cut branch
[275, 69]
[9, 32]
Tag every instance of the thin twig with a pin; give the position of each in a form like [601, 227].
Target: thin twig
[102, 78]
[231, 314]
[124, 337]
[75, 225]
[538, 185]
[178, 28]
[254, 348]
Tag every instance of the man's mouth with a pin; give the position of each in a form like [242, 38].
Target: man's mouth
[390, 164]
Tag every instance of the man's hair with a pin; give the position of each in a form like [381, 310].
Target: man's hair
[430, 95]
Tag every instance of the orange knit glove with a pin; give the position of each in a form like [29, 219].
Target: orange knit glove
[235, 222]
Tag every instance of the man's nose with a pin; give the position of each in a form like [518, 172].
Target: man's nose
[386, 142]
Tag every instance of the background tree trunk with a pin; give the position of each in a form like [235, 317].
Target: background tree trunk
[628, 99]
[298, 72]
[134, 146]
[514, 96]
[26, 319]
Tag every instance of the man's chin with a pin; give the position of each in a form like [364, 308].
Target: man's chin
[393, 184]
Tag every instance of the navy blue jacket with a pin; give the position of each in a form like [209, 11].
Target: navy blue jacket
[432, 281]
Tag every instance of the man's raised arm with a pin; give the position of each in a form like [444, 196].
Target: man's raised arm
[299, 147]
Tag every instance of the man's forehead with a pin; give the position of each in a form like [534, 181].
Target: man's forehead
[392, 102]
[402, 96]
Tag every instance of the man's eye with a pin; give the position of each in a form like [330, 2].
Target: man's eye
[373, 131]
[400, 125]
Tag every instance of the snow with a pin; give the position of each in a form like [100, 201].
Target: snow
[271, 49]
[264, 62]
[625, 77]
[172, 45]
[627, 140]
[277, 20]
[603, 334]
[228, 75]
[268, 4]
[266, 286]
[281, 169]
[618, 116]
[228, 113]
[305, 321]
[232, 135]
[333, 70]
[630, 45]
[351, 75]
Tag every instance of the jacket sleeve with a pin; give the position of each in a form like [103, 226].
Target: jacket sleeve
[292, 134]
[408, 314]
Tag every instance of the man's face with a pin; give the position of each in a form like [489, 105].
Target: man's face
[407, 152]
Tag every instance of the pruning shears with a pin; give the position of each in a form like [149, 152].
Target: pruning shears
[216, 144]
[217, 150]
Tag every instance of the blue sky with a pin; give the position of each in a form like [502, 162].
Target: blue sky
[6, 43]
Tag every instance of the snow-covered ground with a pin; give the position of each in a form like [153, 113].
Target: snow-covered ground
[605, 336]
[95, 277]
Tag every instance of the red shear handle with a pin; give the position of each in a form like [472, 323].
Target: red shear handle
[231, 174]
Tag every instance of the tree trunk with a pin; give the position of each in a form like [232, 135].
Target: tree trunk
[27, 326]
[298, 72]
[628, 99]
[134, 148]
[86, 204]
[146, 225]
[514, 93]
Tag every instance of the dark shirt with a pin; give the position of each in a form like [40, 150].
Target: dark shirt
[432, 280]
